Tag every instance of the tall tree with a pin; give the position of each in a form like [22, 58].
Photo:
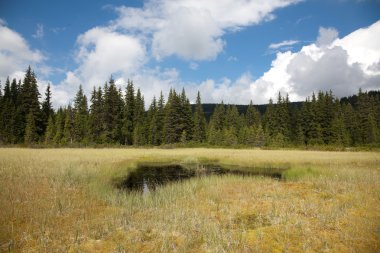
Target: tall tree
[96, 117]
[139, 138]
[68, 130]
[47, 109]
[252, 116]
[129, 109]
[80, 117]
[199, 132]
[30, 99]
[113, 113]
[59, 125]
[186, 118]
[30, 129]
[50, 131]
[160, 119]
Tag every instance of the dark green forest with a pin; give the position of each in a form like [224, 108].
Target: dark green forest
[118, 117]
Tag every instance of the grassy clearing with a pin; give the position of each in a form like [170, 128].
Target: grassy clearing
[63, 200]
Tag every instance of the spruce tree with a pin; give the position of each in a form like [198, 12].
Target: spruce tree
[68, 130]
[47, 109]
[129, 110]
[50, 131]
[186, 117]
[139, 138]
[152, 124]
[80, 117]
[59, 125]
[30, 129]
[113, 113]
[199, 132]
[30, 102]
[160, 119]
[252, 116]
[96, 117]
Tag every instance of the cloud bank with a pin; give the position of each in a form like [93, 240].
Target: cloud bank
[132, 46]
[341, 65]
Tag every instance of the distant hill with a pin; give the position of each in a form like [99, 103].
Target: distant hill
[209, 108]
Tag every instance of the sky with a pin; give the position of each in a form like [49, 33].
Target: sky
[233, 51]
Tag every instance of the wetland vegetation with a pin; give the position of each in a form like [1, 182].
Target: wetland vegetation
[65, 200]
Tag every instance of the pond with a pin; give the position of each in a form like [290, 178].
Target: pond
[147, 177]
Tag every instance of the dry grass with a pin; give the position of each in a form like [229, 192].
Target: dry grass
[63, 200]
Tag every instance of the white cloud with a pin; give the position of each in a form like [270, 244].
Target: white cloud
[285, 43]
[326, 36]
[15, 54]
[103, 52]
[193, 29]
[39, 34]
[342, 65]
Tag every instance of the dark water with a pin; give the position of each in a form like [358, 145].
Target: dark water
[147, 178]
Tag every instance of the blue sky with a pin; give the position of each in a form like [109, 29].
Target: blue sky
[234, 51]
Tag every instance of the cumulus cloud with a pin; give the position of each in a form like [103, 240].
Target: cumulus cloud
[190, 29]
[15, 53]
[193, 29]
[342, 65]
[326, 36]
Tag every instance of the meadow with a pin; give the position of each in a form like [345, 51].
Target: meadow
[65, 200]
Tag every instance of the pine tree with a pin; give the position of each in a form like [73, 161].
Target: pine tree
[129, 110]
[80, 117]
[138, 131]
[50, 131]
[199, 132]
[96, 117]
[113, 113]
[172, 123]
[47, 109]
[59, 126]
[160, 119]
[152, 126]
[68, 130]
[30, 129]
[186, 117]
[7, 122]
[30, 102]
[252, 116]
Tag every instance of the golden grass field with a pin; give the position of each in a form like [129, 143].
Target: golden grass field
[64, 200]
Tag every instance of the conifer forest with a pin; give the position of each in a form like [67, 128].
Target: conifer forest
[118, 117]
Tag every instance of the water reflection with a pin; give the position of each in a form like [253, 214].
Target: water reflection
[147, 178]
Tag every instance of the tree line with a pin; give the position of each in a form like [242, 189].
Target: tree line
[119, 117]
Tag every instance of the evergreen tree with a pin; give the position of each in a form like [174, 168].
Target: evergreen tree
[139, 128]
[113, 113]
[80, 117]
[129, 110]
[7, 121]
[152, 125]
[199, 132]
[30, 129]
[339, 133]
[186, 117]
[59, 126]
[30, 102]
[160, 119]
[68, 130]
[172, 123]
[50, 131]
[96, 117]
[252, 116]
[47, 109]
